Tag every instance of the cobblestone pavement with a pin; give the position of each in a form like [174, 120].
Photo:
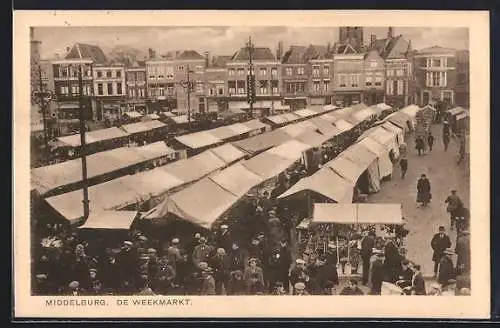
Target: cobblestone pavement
[444, 174]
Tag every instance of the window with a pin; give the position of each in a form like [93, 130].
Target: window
[263, 71]
[199, 68]
[161, 92]
[141, 92]
[263, 87]
[436, 79]
[373, 64]
[151, 76]
[369, 81]
[289, 87]
[64, 90]
[342, 80]
[389, 87]
[316, 70]
[161, 76]
[274, 86]
[316, 86]
[131, 93]
[399, 72]
[87, 72]
[301, 86]
[110, 88]
[378, 81]
[240, 85]
[199, 87]
[220, 91]
[326, 69]
[447, 96]
[300, 71]
[231, 85]
[64, 72]
[211, 91]
[100, 90]
[180, 67]
[436, 63]
[241, 71]
[390, 72]
[119, 88]
[109, 74]
[274, 71]
[288, 71]
[326, 84]
[355, 80]
[230, 72]
[401, 85]
[118, 73]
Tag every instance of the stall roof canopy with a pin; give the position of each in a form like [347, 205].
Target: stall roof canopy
[228, 153]
[236, 179]
[359, 155]
[198, 139]
[277, 119]
[267, 165]
[290, 117]
[357, 213]
[343, 125]
[324, 182]
[399, 118]
[326, 127]
[93, 136]
[223, 132]
[411, 110]
[312, 138]
[346, 168]
[328, 108]
[346, 111]
[383, 106]
[462, 116]
[133, 114]
[292, 150]
[456, 110]
[392, 128]
[254, 124]
[50, 177]
[330, 117]
[305, 112]
[263, 141]
[364, 114]
[153, 116]
[181, 119]
[373, 146]
[112, 220]
[167, 114]
[380, 135]
[196, 167]
[297, 128]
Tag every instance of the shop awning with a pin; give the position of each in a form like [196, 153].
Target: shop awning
[411, 110]
[110, 220]
[254, 125]
[305, 112]
[462, 116]
[298, 128]
[357, 213]
[133, 114]
[93, 136]
[292, 150]
[198, 139]
[263, 141]
[324, 182]
[228, 153]
[196, 167]
[238, 105]
[455, 111]
[312, 138]
[267, 165]
[236, 179]
[71, 106]
[343, 125]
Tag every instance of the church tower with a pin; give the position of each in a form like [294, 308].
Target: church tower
[352, 35]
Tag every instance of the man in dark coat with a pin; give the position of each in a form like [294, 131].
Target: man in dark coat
[418, 282]
[284, 263]
[202, 252]
[430, 141]
[446, 270]
[403, 163]
[405, 275]
[126, 260]
[224, 239]
[221, 263]
[419, 145]
[423, 190]
[454, 205]
[367, 244]
[377, 273]
[236, 258]
[439, 243]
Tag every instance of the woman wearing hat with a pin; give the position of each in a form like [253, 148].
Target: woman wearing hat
[446, 271]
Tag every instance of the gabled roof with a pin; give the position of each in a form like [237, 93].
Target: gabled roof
[436, 50]
[138, 64]
[343, 49]
[220, 61]
[190, 55]
[315, 52]
[257, 54]
[87, 51]
[294, 55]
[395, 47]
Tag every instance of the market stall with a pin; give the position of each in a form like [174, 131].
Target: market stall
[341, 226]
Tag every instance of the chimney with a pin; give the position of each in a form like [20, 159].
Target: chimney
[152, 53]
[373, 37]
[68, 49]
[279, 50]
[390, 33]
[207, 59]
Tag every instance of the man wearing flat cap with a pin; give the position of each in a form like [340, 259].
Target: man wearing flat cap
[224, 238]
[377, 272]
[208, 282]
[202, 252]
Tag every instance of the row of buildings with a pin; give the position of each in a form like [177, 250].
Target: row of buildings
[349, 71]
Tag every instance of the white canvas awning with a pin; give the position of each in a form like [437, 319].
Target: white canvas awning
[198, 139]
[357, 213]
[110, 220]
[133, 114]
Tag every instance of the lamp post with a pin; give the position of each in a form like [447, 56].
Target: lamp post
[251, 77]
[42, 98]
[189, 86]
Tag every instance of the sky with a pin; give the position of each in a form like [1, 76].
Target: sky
[226, 40]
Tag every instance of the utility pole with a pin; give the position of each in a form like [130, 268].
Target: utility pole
[189, 86]
[251, 77]
[42, 98]
[85, 184]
